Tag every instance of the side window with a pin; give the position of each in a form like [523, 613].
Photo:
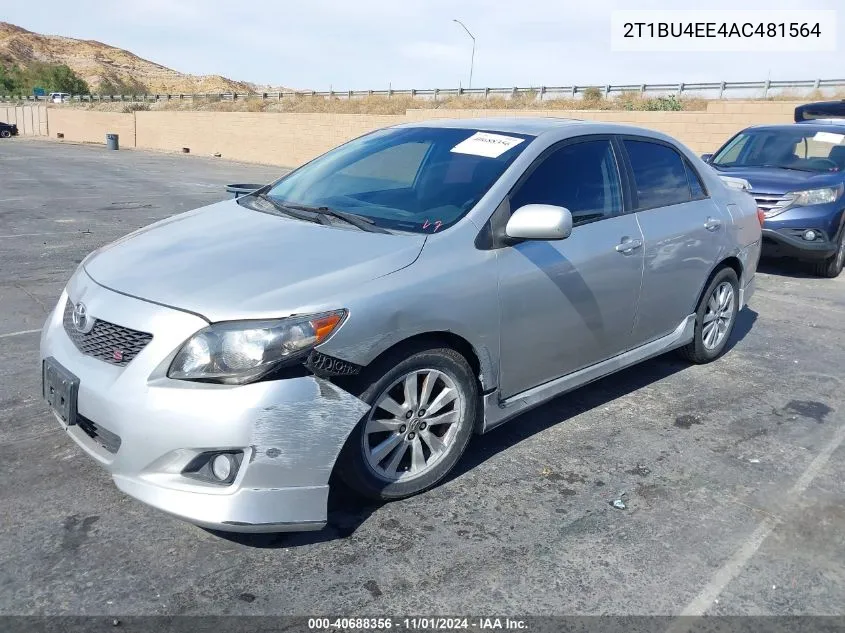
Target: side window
[581, 177]
[659, 174]
[696, 187]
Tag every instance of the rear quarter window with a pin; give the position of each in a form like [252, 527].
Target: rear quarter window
[696, 186]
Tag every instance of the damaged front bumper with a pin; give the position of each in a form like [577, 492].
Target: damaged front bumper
[146, 429]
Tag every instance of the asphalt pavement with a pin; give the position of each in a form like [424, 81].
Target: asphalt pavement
[731, 473]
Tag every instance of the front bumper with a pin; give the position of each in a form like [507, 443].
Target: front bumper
[782, 233]
[290, 431]
[778, 243]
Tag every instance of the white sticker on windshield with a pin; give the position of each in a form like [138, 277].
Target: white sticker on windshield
[829, 137]
[487, 144]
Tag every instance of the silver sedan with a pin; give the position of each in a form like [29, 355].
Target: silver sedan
[362, 317]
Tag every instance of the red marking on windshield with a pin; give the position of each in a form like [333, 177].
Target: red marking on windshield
[436, 224]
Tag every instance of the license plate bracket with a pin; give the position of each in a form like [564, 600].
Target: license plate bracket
[60, 389]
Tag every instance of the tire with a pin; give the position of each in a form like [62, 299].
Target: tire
[5, 133]
[832, 266]
[707, 346]
[367, 466]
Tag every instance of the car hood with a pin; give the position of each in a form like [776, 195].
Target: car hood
[228, 262]
[779, 181]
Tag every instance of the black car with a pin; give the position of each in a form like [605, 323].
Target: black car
[820, 110]
[8, 129]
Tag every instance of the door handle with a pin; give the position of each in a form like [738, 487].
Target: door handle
[712, 224]
[627, 246]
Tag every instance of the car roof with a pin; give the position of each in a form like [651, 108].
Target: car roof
[537, 126]
[514, 124]
[827, 126]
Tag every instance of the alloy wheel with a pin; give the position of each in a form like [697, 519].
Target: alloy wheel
[413, 425]
[718, 316]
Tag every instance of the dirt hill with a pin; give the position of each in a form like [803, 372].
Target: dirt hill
[95, 62]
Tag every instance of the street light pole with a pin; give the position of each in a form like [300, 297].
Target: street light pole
[472, 58]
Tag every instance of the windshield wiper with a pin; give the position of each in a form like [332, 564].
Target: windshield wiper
[359, 221]
[784, 167]
[293, 211]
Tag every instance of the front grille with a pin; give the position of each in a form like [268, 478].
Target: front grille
[111, 343]
[771, 203]
[103, 437]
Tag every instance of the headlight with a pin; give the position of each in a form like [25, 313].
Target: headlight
[816, 196]
[237, 352]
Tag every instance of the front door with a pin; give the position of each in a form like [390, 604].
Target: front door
[569, 303]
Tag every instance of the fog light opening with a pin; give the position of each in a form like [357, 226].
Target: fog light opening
[222, 466]
[810, 235]
[215, 467]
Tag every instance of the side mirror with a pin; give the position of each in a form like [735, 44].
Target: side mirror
[706, 157]
[540, 222]
[736, 183]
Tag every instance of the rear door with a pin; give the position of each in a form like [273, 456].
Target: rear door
[684, 232]
[567, 304]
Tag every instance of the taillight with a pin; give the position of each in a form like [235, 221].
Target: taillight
[761, 215]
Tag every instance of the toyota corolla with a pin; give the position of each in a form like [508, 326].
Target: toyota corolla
[357, 321]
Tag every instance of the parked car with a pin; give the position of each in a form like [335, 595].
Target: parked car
[8, 130]
[797, 175]
[367, 313]
[820, 111]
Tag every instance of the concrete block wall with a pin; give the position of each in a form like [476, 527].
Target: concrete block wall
[31, 120]
[290, 139]
[702, 131]
[86, 126]
[287, 139]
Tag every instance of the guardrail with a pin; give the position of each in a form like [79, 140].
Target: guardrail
[538, 92]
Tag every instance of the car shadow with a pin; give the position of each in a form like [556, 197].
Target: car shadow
[785, 267]
[591, 396]
[347, 511]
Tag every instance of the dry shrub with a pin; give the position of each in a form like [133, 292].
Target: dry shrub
[592, 95]
[399, 104]
[129, 108]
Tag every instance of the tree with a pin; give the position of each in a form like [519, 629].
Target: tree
[50, 77]
[61, 78]
[8, 84]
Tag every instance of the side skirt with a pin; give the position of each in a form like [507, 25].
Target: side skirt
[498, 411]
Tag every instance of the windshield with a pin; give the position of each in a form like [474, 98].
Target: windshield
[787, 148]
[409, 179]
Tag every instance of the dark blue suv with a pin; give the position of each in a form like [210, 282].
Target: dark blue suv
[797, 176]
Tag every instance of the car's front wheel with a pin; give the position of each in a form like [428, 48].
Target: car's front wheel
[424, 403]
[714, 318]
[832, 266]
[5, 133]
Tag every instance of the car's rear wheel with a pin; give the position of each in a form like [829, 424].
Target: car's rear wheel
[423, 408]
[832, 266]
[714, 318]
[5, 133]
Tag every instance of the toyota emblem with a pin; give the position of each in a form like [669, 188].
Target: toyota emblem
[81, 321]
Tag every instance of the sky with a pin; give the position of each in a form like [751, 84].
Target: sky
[373, 44]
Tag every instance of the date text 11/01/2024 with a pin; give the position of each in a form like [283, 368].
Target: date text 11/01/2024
[416, 624]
